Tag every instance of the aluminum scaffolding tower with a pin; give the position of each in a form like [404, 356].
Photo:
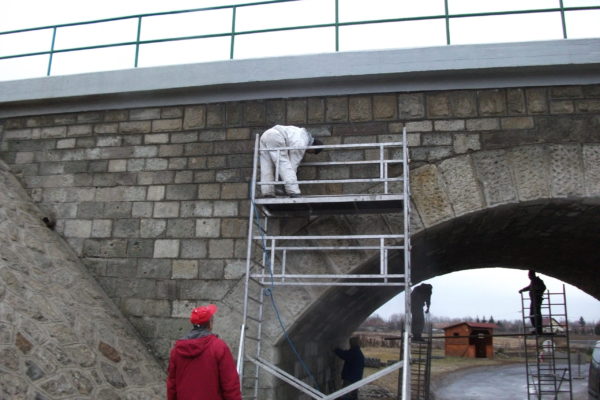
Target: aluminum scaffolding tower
[548, 354]
[385, 191]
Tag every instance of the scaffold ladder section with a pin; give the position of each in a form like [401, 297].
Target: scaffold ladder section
[420, 367]
[548, 355]
[272, 255]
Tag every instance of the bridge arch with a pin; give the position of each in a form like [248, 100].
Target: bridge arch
[146, 171]
[530, 206]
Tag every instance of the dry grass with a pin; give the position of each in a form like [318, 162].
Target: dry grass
[389, 382]
[385, 354]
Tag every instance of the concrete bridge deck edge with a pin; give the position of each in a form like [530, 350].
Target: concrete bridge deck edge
[564, 62]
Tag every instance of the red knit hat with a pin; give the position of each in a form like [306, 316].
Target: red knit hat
[203, 314]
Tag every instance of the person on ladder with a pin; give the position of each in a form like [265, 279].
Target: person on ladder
[419, 297]
[285, 161]
[536, 289]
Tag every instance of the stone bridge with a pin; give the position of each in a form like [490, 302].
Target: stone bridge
[146, 173]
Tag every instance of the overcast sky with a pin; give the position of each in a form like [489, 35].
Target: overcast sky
[493, 291]
[34, 13]
[469, 293]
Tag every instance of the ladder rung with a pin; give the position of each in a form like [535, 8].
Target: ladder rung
[333, 237]
[327, 163]
[355, 277]
[253, 279]
[258, 264]
[254, 319]
[252, 338]
[379, 282]
[255, 300]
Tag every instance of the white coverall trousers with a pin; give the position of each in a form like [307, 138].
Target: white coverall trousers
[288, 160]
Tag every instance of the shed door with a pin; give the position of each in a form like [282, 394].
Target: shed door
[479, 340]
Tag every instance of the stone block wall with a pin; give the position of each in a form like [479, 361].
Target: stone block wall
[60, 335]
[155, 200]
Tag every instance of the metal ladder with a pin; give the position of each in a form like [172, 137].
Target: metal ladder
[269, 251]
[420, 366]
[548, 355]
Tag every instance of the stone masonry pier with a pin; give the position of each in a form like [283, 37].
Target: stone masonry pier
[60, 335]
[151, 191]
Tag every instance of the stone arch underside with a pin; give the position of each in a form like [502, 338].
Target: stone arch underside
[559, 239]
[526, 206]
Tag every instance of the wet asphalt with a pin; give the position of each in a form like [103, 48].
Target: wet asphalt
[506, 382]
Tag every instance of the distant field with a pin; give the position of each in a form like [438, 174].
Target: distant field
[508, 350]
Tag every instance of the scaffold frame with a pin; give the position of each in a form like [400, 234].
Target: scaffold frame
[548, 354]
[267, 263]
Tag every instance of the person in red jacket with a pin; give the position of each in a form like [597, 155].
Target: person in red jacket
[201, 366]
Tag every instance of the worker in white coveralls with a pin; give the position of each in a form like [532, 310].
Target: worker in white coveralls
[287, 160]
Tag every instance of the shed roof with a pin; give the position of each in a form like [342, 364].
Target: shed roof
[473, 325]
[553, 321]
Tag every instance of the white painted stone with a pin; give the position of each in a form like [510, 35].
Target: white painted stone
[156, 193]
[235, 269]
[65, 143]
[225, 208]
[208, 227]
[78, 228]
[101, 228]
[185, 269]
[151, 228]
[24, 157]
[117, 165]
[166, 209]
[166, 248]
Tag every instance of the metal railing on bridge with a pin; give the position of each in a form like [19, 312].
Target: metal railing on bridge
[223, 32]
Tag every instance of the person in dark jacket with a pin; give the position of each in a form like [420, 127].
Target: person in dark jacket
[536, 289]
[354, 364]
[201, 366]
[419, 297]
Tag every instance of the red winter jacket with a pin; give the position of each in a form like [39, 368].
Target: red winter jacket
[202, 369]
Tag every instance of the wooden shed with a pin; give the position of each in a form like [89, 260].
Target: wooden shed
[472, 340]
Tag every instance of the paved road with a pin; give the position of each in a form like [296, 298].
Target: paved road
[506, 382]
